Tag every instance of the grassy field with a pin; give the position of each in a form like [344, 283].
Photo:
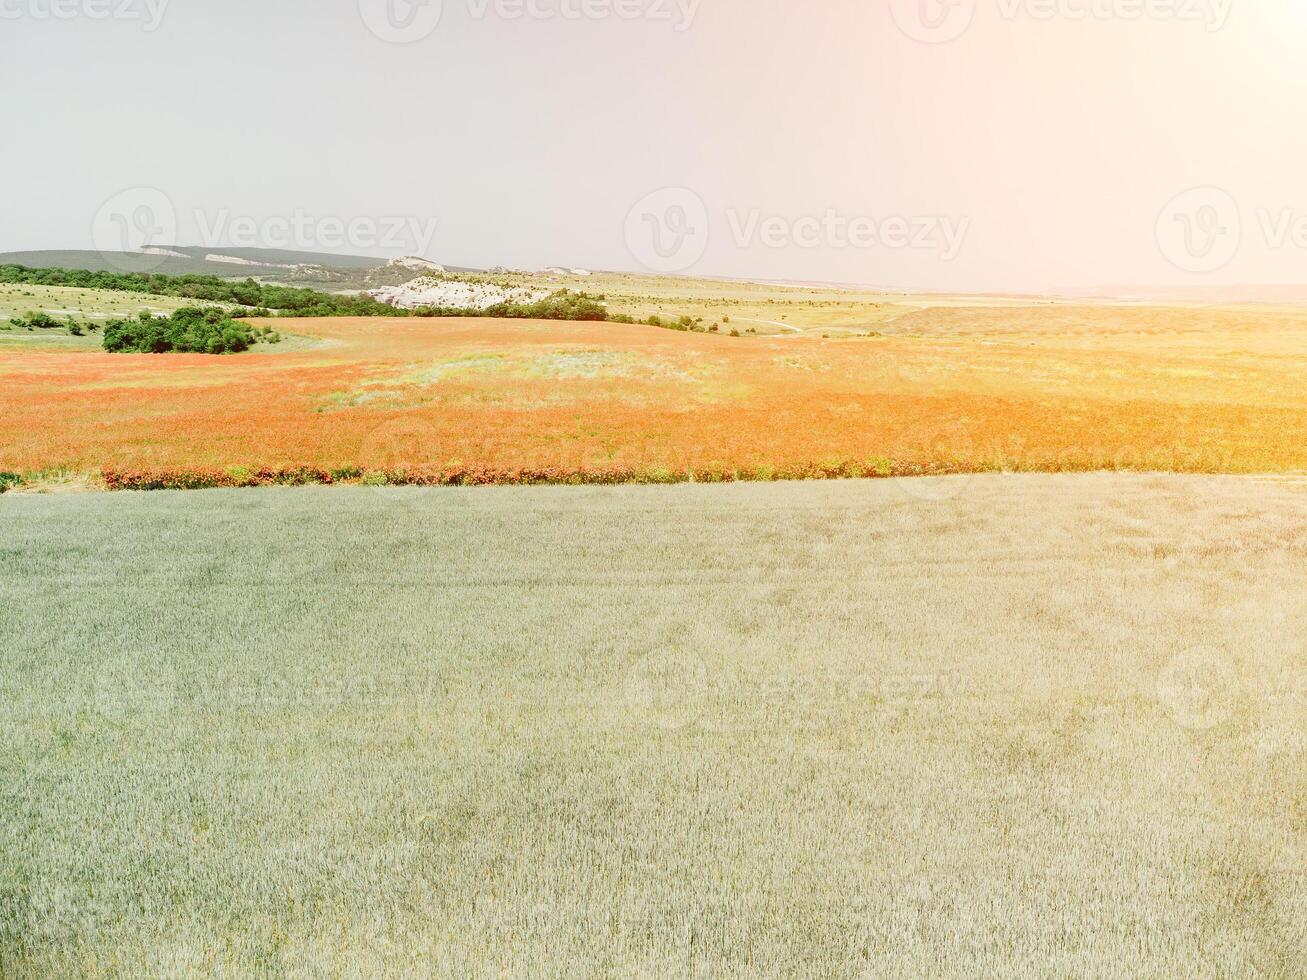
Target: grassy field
[1042, 387]
[1000, 726]
[88, 306]
[85, 304]
[767, 309]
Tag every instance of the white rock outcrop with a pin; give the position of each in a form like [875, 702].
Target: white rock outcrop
[237, 260]
[416, 264]
[430, 291]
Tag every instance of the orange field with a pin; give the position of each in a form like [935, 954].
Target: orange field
[421, 400]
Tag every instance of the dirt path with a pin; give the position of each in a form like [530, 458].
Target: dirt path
[771, 323]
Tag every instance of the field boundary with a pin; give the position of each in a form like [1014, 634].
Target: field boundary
[112, 480]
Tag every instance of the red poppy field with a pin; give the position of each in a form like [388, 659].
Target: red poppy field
[1050, 388]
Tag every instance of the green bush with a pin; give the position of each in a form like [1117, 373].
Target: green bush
[562, 305]
[36, 321]
[188, 330]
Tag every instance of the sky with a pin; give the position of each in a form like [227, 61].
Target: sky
[953, 145]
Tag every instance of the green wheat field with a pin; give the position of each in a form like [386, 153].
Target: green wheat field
[991, 726]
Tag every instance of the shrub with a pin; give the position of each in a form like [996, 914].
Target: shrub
[188, 330]
[562, 305]
[36, 321]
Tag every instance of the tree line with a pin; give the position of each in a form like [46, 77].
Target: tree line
[262, 300]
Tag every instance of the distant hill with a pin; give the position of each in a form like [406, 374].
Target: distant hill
[192, 260]
[118, 262]
[283, 257]
[1274, 293]
[319, 270]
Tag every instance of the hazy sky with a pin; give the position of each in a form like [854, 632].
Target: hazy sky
[922, 143]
